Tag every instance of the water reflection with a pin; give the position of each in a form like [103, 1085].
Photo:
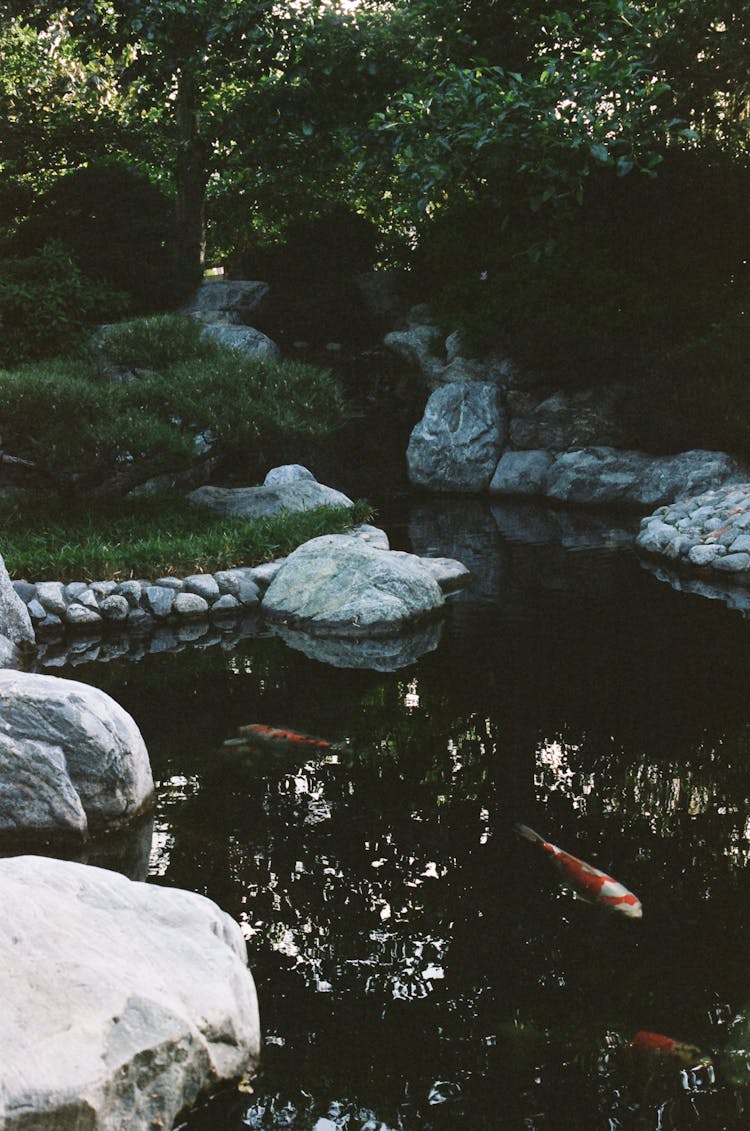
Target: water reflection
[415, 967]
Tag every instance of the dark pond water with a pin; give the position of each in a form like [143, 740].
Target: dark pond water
[417, 966]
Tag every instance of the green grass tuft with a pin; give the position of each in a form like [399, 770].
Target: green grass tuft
[150, 538]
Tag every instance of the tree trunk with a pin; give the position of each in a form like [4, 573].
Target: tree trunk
[190, 178]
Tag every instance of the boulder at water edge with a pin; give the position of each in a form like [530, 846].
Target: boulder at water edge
[341, 585]
[15, 623]
[608, 476]
[122, 1001]
[457, 443]
[72, 761]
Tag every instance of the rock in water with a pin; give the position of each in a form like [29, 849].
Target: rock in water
[122, 1001]
[71, 759]
[341, 586]
[458, 441]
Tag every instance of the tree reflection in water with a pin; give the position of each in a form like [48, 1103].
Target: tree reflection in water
[416, 967]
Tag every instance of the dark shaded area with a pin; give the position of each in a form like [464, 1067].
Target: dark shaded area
[119, 229]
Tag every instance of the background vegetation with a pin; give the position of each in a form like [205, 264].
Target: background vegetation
[569, 183]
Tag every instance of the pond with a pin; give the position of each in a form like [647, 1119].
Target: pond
[418, 966]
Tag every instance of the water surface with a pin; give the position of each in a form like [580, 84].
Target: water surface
[417, 967]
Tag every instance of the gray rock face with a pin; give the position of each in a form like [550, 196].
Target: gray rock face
[288, 473]
[244, 339]
[340, 586]
[457, 443]
[71, 759]
[607, 476]
[415, 346]
[521, 473]
[235, 301]
[137, 1001]
[15, 622]
[190, 605]
[261, 502]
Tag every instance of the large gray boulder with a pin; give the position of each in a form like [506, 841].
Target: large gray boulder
[122, 1001]
[457, 443]
[244, 339]
[72, 761]
[16, 629]
[262, 502]
[416, 346]
[521, 473]
[342, 586]
[605, 476]
[228, 300]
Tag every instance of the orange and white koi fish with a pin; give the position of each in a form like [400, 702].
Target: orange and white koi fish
[649, 1044]
[585, 880]
[258, 734]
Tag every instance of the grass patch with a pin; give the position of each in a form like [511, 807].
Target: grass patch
[150, 538]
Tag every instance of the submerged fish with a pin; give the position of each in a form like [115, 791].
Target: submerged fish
[585, 880]
[278, 738]
[649, 1044]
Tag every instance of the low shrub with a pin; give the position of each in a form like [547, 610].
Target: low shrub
[47, 304]
[87, 434]
[152, 343]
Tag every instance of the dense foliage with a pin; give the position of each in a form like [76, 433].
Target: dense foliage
[91, 436]
[567, 182]
[46, 303]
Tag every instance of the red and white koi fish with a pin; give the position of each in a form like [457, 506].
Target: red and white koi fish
[279, 738]
[585, 880]
[649, 1044]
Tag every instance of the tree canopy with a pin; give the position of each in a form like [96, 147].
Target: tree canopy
[263, 112]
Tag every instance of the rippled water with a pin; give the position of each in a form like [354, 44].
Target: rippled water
[417, 967]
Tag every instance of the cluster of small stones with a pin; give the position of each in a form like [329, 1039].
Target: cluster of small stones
[136, 605]
[710, 532]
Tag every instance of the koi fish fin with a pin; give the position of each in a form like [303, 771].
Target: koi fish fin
[528, 834]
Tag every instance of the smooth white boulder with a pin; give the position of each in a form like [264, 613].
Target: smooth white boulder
[122, 1001]
[342, 586]
[72, 760]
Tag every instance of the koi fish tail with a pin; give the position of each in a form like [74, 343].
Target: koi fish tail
[528, 834]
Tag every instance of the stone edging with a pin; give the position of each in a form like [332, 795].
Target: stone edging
[708, 533]
[139, 604]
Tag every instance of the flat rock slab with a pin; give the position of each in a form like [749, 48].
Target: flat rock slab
[122, 1001]
[606, 476]
[339, 585]
[72, 761]
[263, 502]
